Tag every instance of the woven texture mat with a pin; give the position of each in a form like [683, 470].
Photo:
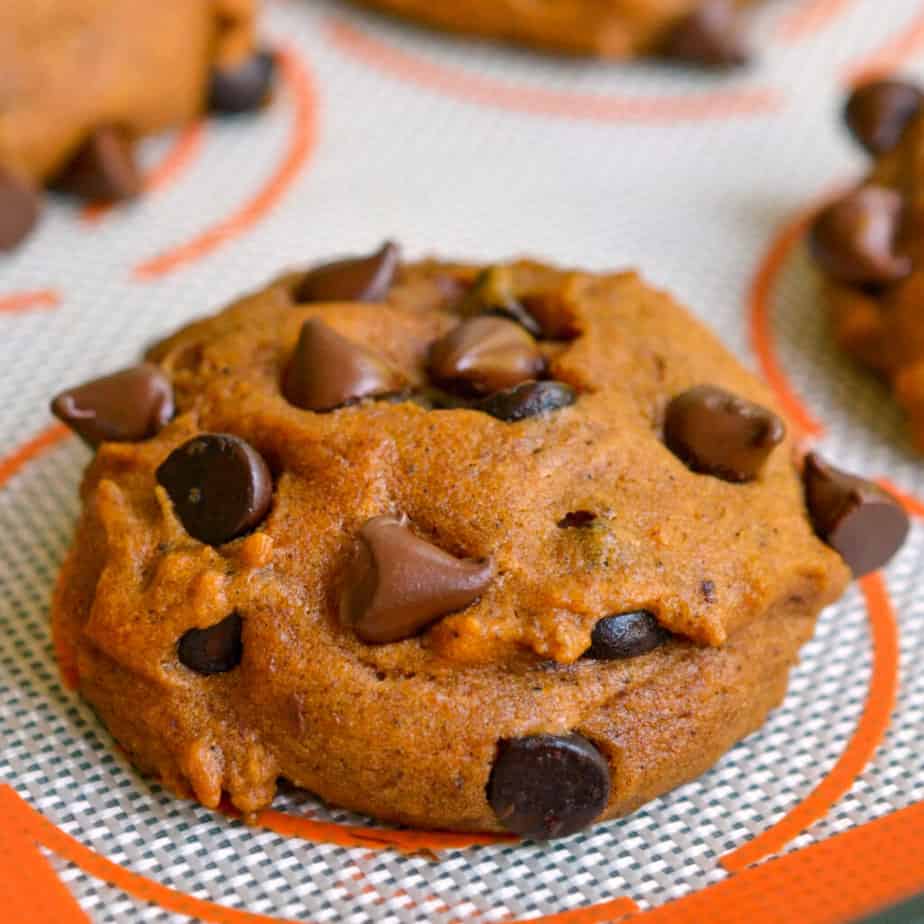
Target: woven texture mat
[478, 152]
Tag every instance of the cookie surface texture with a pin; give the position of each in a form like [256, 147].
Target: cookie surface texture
[703, 31]
[406, 627]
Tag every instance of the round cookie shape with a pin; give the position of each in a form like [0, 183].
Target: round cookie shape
[501, 611]
[706, 33]
[869, 244]
[85, 80]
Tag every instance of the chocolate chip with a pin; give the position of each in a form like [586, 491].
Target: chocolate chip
[20, 206]
[128, 406]
[214, 650]
[219, 484]
[493, 293]
[245, 87]
[484, 355]
[857, 518]
[877, 113]
[357, 279]
[625, 635]
[527, 400]
[854, 240]
[717, 433]
[710, 36]
[577, 519]
[545, 786]
[328, 371]
[104, 168]
[397, 583]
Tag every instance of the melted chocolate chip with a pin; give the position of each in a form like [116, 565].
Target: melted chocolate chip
[245, 87]
[710, 36]
[20, 207]
[527, 400]
[854, 240]
[625, 635]
[397, 583]
[357, 279]
[484, 355]
[546, 786]
[104, 168]
[857, 518]
[128, 406]
[220, 486]
[492, 294]
[577, 519]
[214, 650]
[328, 371]
[717, 433]
[877, 113]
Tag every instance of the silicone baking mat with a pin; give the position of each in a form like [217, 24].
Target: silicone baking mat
[481, 152]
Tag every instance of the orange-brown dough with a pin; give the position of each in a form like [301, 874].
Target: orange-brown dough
[576, 513]
[873, 259]
[74, 68]
[704, 31]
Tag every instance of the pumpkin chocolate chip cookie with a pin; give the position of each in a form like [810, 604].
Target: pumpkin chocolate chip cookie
[869, 244]
[83, 80]
[707, 33]
[501, 549]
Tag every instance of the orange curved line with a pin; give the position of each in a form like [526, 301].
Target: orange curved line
[537, 101]
[866, 738]
[603, 913]
[303, 138]
[811, 17]
[891, 55]
[759, 310]
[12, 463]
[407, 841]
[35, 826]
[48, 835]
[180, 155]
[29, 301]
[911, 504]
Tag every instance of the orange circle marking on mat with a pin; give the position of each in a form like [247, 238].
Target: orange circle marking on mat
[760, 313]
[406, 841]
[472, 88]
[810, 17]
[29, 450]
[180, 155]
[891, 55]
[29, 301]
[302, 141]
[760, 321]
[877, 712]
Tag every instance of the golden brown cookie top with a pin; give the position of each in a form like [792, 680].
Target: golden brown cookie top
[73, 66]
[419, 523]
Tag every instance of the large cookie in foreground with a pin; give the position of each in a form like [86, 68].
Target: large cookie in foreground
[513, 549]
[869, 244]
[708, 33]
[83, 80]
